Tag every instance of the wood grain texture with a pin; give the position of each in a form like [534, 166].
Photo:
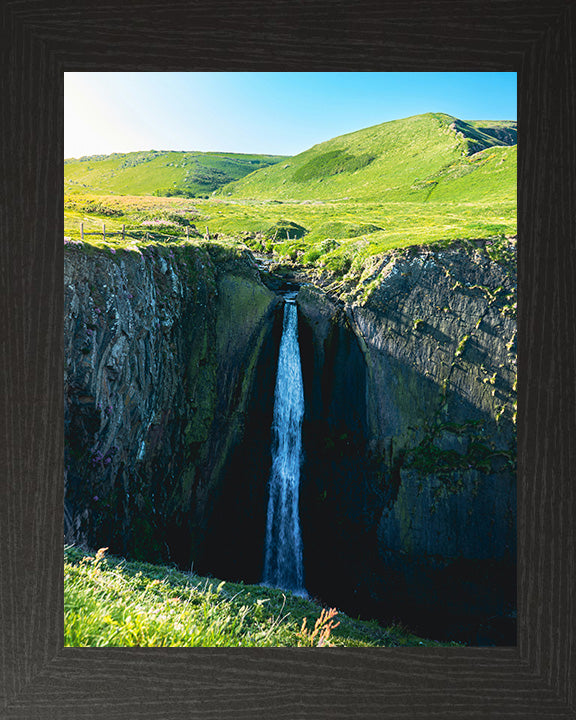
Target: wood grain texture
[40, 679]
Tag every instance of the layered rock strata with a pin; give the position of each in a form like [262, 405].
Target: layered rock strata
[425, 515]
[160, 349]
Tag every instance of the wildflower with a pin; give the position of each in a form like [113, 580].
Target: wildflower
[113, 251]
[95, 498]
[322, 629]
[100, 554]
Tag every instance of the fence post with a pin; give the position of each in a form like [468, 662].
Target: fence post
[104, 232]
[187, 232]
[207, 233]
[123, 231]
[82, 231]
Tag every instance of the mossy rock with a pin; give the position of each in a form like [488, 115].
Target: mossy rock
[284, 229]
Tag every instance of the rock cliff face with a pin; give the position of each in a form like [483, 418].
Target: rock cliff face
[408, 476]
[160, 348]
[412, 496]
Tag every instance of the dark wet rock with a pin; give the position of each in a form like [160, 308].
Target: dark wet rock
[432, 488]
[160, 348]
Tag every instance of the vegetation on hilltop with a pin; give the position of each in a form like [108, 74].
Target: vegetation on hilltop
[109, 601]
[402, 160]
[428, 179]
[161, 173]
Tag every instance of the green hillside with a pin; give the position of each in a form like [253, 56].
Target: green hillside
[431, 156]
[163, 173]
[427, 179]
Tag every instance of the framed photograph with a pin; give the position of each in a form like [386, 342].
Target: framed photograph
[524, 669]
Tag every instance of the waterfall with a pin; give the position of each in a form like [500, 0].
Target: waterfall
[283, 557]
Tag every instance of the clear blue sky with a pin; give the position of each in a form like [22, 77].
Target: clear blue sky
[273, 113]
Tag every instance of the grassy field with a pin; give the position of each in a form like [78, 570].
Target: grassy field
[336, 236]
[109, 601]
[164, 173]
[418, 181]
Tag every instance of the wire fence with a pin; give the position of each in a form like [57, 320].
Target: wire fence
[139, 235]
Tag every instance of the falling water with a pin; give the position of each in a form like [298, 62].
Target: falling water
[283, 559]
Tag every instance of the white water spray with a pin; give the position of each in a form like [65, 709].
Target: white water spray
[283, 558]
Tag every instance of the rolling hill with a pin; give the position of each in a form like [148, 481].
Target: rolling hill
[432, 156]
[163, 173]
[421, 180]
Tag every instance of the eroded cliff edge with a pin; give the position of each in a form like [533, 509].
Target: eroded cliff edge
[160, 351]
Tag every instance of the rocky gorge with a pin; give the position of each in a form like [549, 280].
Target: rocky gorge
[407, 504]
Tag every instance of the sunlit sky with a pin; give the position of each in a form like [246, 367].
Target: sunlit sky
[268, 113]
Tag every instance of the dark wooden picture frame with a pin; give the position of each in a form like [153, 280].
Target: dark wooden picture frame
[40, 678]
